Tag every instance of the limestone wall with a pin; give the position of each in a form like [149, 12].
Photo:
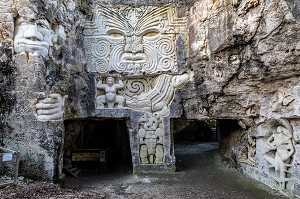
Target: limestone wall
[149, 62]
[245, 58]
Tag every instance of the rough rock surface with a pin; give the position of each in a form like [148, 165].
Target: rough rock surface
[242, 57]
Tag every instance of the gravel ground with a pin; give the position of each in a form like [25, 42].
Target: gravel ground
[199, 175]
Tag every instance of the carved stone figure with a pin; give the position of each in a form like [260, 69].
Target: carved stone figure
[111, 98]
[282, 144]
[32, 36]
[51, 107]
[151, 134]
[251, 152]
[133, 40]
[282, 99]
[160, 97]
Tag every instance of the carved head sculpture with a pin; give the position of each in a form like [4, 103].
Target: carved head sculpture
[132, 40]
[32, 36]
[222, 66]
[110, 81]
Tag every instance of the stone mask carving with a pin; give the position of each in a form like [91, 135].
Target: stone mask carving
[32, 36]
[132, 40]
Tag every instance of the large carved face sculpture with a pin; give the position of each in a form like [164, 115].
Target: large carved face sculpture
[32, 36]
[132, 40]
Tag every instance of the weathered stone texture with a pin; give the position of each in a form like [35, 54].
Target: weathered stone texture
[244, 55]
[239, 60]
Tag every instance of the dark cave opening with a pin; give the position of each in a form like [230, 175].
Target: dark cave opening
[97, 144]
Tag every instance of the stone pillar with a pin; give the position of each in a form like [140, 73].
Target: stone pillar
[40, 142]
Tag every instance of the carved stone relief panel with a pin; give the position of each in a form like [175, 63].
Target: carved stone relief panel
[279, 152]
[151, 137]
[132, 40]
[50, 107]
[249, 156]
[150, 94]
[134, 86]
[160, 96]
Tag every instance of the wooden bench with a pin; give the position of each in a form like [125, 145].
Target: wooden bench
[91, 155]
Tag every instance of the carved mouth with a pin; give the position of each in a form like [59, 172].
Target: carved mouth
[134, 57]
[36, 43]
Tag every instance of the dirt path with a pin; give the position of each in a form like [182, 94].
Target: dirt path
[199, 176]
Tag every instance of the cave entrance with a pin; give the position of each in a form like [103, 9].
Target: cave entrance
[194, 138]
[96, 145]
[191, 139]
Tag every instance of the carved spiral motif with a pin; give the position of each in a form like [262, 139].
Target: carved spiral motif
[102, 65]
[102, 48]
[135, 87]
[166, 46]
[122, 67]
[166, 63]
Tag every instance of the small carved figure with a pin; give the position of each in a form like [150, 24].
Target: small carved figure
[151, 134]
[51, 107]
[281, 143]
[32, 36]
[251, 152]
[111, 97]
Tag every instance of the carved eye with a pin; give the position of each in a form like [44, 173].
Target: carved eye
[115, 35]
[151, 34]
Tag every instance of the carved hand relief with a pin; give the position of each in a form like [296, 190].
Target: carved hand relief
[279, 151]
[151, 134]
[110, 99]
[132, 40]
[32, 36]
[282, 99]
[51, 107]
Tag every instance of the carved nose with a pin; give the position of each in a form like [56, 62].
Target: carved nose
[32, 33]
[133, 45]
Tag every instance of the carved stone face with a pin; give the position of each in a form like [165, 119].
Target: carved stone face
[110, 81]
[32, 36]
[132, 40]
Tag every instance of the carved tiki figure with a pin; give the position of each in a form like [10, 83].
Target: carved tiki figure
[151, 134]
[132, 40]
[110, 98]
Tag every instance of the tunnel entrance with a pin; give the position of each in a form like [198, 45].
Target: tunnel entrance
[191, 139]
[97, 144]
[194, 138]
